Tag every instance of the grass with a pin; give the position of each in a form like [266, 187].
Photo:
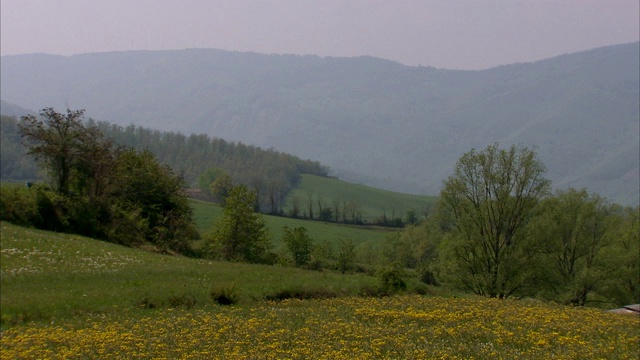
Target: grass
[363, 237]
[70, 297]
[401, 327]
[47, 275]
[371, 202]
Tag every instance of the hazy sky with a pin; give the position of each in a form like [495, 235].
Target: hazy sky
[452, 34]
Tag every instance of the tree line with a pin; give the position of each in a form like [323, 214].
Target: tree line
[499, 231]
[271, 173]
[98, 189]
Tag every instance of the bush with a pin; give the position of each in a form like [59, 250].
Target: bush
[18, 205]
[301, 294]
[185, 300]
[225, 295]
[427, 276]
[392, 279]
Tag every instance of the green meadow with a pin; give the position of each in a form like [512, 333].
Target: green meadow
[71, 297]
[372, 203]
[205, 215]
[48, 275]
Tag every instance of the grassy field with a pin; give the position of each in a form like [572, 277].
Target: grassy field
[363, 237]
[371, 202]
[70, 297]
[47, 275]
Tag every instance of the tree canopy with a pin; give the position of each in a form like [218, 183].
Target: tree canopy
[113, 193]
[241, 234]
[490, 199]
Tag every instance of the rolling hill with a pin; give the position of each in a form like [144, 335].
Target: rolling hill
[372, 121]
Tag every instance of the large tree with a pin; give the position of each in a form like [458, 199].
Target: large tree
[57, 141]
[579, 232]
[123, 196]
[241, 234]
[490, 199]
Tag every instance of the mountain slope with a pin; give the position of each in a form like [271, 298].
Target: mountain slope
[372, 121]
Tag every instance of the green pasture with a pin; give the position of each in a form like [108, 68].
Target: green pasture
[47, 275]
[205, 215]
[371, 202]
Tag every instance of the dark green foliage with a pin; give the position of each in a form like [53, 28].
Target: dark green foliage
[301, 293]
[346, 255]
[491, 198]
[198, 158]
[185, 300]
[411, 218]
[299, 244]
[623, 286]
[220, 187]
[392, 279]
[583, 247]
[19, 205]
[240, 235]
[205, 178]
[152, 190]
[225, 294]
[202, 159]
[99, 191]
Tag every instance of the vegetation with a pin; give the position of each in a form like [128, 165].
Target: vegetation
[343, 202]
[371, 120]
[240, 235]
[119, 195]
[199, 159]
[299, 245]
[490, 199]
[73, 276]
[498, 232]
[399, 327]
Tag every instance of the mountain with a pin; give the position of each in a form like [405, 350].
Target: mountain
[8, 109]
[372, 121]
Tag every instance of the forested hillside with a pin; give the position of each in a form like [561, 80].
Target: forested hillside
[370, 120]
[270, 172]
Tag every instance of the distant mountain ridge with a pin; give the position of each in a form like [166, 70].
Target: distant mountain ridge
[372, 121]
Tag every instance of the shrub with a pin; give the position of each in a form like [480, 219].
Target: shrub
[185, 300]
[225, 295]
[301, 294]
[18, 205]
[392, 279]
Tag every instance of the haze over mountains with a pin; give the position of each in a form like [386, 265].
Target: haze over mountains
[372, 121]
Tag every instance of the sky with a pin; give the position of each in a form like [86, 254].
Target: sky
[449, 34]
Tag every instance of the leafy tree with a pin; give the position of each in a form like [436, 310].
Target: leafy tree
[240, 235]
[57, 143]
[205, 178]
[624, 285]
[346, 256]
[152, 189]
[111, 193]
[575, 230]
[490, 198]
[411, 218]
[220, 187]
[299, 244]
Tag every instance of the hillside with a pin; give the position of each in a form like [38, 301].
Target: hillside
[75, 297]
[345, 199]
[370, 120]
